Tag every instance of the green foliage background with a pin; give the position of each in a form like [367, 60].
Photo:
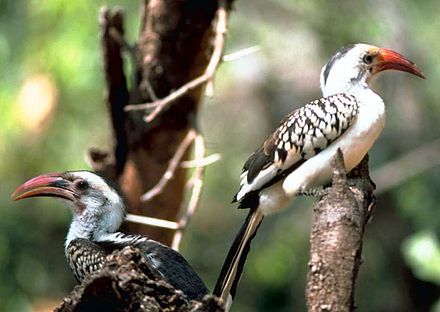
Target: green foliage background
[59, 39]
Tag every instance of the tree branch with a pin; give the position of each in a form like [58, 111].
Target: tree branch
[173, 165]
[336, 238]
[219, 43]
[196, 182]
[127, 284]
[186, 31]
[116, 95]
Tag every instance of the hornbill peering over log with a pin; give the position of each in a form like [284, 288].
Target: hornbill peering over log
[297, 156]
[98, 210]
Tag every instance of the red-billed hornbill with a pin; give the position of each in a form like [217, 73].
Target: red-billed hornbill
[98, 211]
[297, 155]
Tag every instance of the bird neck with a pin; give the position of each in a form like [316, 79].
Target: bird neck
[82, 226]
[89, 226]
[351, 86]
[95, 223]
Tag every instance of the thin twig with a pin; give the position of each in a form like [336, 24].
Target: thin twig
[172, 166]
[197, 188]
[152, 221]
[206, 161]
[413, 162]
[240, 53]
[150, 90]
[119, 39]
[219, 43]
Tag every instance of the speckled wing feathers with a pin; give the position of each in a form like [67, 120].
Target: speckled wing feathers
[85, 257]
[300, 136]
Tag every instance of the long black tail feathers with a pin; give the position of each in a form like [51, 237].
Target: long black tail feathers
[232, 269]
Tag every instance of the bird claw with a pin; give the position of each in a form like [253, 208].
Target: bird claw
[313, 192]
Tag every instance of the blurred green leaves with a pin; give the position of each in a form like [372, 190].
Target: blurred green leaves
[422, 251]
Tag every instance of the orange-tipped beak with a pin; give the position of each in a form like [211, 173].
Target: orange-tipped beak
[389, 59]
[51, 184]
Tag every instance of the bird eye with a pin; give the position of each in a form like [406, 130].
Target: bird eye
[368, 58]
[82, 185]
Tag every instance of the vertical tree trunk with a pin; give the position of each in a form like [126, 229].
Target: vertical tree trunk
[336, 239]
[175, 45]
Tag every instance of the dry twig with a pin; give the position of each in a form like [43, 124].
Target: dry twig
[203, 162]
[151, 221]
[196, 182]
[240, 53]
[219, 42]
[119, 39]
[173, 165]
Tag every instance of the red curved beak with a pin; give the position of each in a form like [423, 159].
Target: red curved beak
[51, 184]
[389, 59]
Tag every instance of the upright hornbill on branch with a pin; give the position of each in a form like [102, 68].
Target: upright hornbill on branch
[297, 155]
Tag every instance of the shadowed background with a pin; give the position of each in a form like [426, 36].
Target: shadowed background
[51, 111]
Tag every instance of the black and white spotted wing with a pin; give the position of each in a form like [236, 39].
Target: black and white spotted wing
[301, 135]
[86, 257]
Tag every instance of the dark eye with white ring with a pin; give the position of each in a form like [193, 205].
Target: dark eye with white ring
[82, 185]
[368, 59]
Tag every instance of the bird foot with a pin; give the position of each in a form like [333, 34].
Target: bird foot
[313, 192]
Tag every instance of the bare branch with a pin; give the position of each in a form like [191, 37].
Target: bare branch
[336, 239]
[119, 39]
[173, 165]
[150, 90]
[219, 42]
[413, 162]
[152, 221]
[206, 161]
[116, 93]
[196, 182]
[197, 188]
[241, 53]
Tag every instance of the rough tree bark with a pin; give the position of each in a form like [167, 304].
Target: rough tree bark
[124, 284]
[174, 47]
[336, 239]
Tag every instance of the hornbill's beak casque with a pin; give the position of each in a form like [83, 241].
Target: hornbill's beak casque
[389, 59]
[51, 184]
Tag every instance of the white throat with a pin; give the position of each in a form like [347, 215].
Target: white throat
[345, 87]
[96, 223]
[80, 227]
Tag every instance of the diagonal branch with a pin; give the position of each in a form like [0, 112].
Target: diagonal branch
[196, 182]
[202, 162]
[241, 53]
[173, 165]
[219, 43]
